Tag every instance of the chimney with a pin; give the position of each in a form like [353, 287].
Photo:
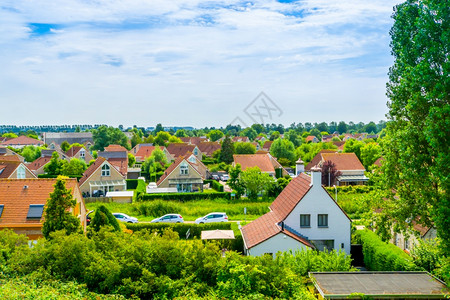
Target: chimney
[299, 166]
[316, 176]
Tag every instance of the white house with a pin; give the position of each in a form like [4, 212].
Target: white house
[302, 216]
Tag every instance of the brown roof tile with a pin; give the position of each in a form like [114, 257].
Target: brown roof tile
[10, 158]
[121, 164]
[115, 148]
[254, 160]
[267, 145]
[209, 147]
[73, 151]
[146, 151]
[17, 199]
[22, 140]
[317, 159]
[38, 163]
[344, 161]
[8, 167]
[180, 149]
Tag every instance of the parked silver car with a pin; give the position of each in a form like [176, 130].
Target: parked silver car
[213, 217]
[169, 218]
[125, 218]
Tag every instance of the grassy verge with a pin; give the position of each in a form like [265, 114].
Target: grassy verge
[147, 211]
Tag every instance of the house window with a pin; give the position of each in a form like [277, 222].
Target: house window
[35, 211]
[406, 244]
[1, 209]
[305, 220]
[82, 153]
[322, 220]
[195, 151]
[21, 172]
[106, 171]
[184, 170]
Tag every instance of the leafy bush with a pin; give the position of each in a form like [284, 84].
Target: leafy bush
[155, 208]
[103, 217]
[132, 184]
[215, 185]
[181, 228]
[381, 256]
[184, 196]
[140, 190]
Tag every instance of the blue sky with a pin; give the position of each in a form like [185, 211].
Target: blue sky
[191, 62]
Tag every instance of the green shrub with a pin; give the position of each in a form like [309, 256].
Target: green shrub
[78, 177]
[215, 185]
[140, 190]
[381, 256]
[132, 184]
[181, 228]
[184, 196]
[103, 217]
[155, 208]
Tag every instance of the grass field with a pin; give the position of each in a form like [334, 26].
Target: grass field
[191, 210]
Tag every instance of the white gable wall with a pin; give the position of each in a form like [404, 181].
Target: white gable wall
[279, 242]
[317, 201]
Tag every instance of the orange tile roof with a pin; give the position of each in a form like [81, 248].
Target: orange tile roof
[240, 139]
[254, 160]
[91, 169]
[379, 162]
[115, 148]
[17, 199]
[317, 159]
[310, 138]
[194, 140]
[344, 161]
[267, 145]
[23, 140]
[73, 151]
[180, 149]
[10, 158]
[146, 151]
[38, 163]
[121, 164]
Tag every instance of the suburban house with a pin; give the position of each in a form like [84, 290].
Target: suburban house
[80, 153]
[311, 139]
[10, 169]
[37, 166]
[101, 177]
[117, 156]
[22, 141]
[260, 138]
[257, 146]
[302, 216]
[240, 139]
[71, 137]
[339, 145]
[142, 151]
[198, 165]
[182, 149]
[208, 148]
[267, 145]
[22, 204]
[183, 175]
[265, 162]
[347, 163]
[8, 152]
[407, 241]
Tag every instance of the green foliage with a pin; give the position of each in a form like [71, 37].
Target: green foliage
[307, 151]
[369, 154]
[31, 153]
[103, 217]
[235, 181]
[132, 184]
[342, 127]
[354, 146]
[244, 148]
[416, 164]
[215, 185]
[283, 148]
[184, 196]
[56, 213]
[315, 132]
[382, 256]
[274, 135]
[294, 137]
[74, 167]
[65, 146]
[55, 166]
[154, 163]
[11, 135]
[278, 186]
[255, 181]
[162, 138]
[215, 134]
[226, 153]
[9, 243]
[105, 136]
[250, 133]
[131, 160]
[141, 189]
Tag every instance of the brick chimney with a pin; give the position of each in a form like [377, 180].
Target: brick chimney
[299, 167]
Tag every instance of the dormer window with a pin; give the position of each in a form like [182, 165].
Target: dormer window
[21, 172]
[192, 159]
[184, 169]
[106, 170]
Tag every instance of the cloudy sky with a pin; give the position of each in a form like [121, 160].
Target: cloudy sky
[192, 62]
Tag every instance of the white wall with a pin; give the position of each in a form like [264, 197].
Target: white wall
[279, 242]
[317, 201]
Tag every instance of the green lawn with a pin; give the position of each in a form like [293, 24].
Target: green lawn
[191, 210]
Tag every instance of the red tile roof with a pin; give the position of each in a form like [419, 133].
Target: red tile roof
[8, 167]
[344, 161]
[194, 140]
[310, 138]
[121, 164]
[17, 199]
[22, 140]
[115, 148]
[73, 151]
[38, 163]
[180, 149]
[379, 162]
[91, 169]
[146, 151]
[267, 145]
[317, 159]
[240, 139]
[254, 160]
[10, 158]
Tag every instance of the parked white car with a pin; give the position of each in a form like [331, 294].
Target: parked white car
[169, 218]
[125, 218]
[213, 217]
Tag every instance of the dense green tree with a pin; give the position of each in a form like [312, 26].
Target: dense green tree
[181, 133]
[131, 160]
[31, 153]
[354, 146]
[244, 148]
[104, 136]
[135, 139]
[282, 148]
[369, 154]
[235, 182]
[274, 135]
[215, 134]
[9, 135]
[65, 146]
[74, 167]
[255, 182]
[174, 139]
[250, 133]
[103, 217]
[370, 128]
[342, 127]
[226, 154]
[316, 132]
[162, 138]
[158, 128]
[293, 136]
[416, 146]
[57, 211]
[55, 166]
[258, 128]
[322, 127]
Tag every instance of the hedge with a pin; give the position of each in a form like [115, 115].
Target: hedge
[215, 185]
[209, 161]
[184, 196]
[132, 184]
[382, 256]
[351, 189]
[140, 190]
[78, 177]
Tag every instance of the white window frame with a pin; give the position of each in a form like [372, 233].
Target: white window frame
[21, 173]
[106, 170]
[184, 169]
